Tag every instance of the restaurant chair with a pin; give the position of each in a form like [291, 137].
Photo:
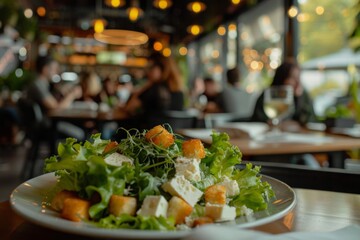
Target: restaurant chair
[297, 176]
[32, 123]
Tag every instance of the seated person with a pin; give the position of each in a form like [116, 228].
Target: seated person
[288, 73]
[162, 91]
[235, 99]
[212, 93]
[39, 92]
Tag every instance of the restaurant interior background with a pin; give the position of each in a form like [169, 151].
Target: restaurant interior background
[206, 40]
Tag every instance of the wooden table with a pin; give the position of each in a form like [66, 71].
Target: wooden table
[335, 145]
[315, 211]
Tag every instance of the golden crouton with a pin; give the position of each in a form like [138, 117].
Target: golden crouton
[160, 136]
[120, 204]
[193, 148]
[215, 194]
[202, 221]
[111, 145]
[75, 209]
[57, 202]
[178, 209]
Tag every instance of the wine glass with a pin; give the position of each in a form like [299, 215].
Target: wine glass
[278, 104]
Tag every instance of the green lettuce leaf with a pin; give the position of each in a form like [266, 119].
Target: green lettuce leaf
[138, 222]
[222, 156]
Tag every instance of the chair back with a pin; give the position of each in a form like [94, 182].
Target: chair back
[30, 114]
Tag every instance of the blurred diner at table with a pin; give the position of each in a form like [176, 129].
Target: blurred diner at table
[162, 91]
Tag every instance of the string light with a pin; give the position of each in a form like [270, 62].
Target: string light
[293, 11]
[163, 4]
[183, 51]
[134, 12]
[115, 3]
[196, 6]
[99, 25]
[41, 11]
[221, 30]
[195, 29]
[158, 46]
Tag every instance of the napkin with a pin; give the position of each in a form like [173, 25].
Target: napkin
[218, 232]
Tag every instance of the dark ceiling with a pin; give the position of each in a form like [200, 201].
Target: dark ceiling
[67, 17]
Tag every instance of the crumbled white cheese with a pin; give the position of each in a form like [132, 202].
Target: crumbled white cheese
[220, 213]
[244, 210]
[153, 206]
[117, 159]
[189, 167]
[232, 187]
[180, 187]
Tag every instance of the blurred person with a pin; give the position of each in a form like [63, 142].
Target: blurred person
[212, 93]
[39, 90]
[197, 98]
[235, 99]
[90, 83]
[288, 73]
[162, 91]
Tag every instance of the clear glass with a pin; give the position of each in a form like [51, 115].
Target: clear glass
[278, 104]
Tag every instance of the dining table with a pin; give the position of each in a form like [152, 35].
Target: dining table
[291, 140]
[314, 211]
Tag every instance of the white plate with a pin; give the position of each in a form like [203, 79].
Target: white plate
[29, 201]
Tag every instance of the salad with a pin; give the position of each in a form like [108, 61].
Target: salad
[154, 180]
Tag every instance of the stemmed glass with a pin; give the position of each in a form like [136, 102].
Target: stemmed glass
[278, 104]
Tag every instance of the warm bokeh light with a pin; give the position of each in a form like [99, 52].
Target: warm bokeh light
[215, 54]
[162, 4]
[115, 3]
[41, 11]
[28, 13]
[134, 13]
[221, 30]
[319, 10]
[303, 17]
[166, 52]
[158, 46]
[183, 51]
[235, 1]
[194, 29]
[293, 11]
[99, 25]
[196, 6]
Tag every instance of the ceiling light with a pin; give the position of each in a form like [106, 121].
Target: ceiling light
[121, 37]
[195, 29]
[41, 11]
[115, 3]
[196, 6]
[166, 52]
[162, 4]
[99, 25]
[134, 11]
[235, 2]
[158, 46]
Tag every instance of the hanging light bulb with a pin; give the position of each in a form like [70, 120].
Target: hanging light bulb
[195, 29]
[162, 4]
[99, 25]
[134, 11]
[115, 3]
[196, 6]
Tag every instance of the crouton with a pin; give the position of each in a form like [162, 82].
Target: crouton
[178, 209]
[160, 136]
[75, 209]
[202, 221]
[57, 202]
[193, 148]
[215, 194]
[111, 145]
[122, 205]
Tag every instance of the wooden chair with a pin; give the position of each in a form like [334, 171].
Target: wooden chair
[297, 176]
[32, 123]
